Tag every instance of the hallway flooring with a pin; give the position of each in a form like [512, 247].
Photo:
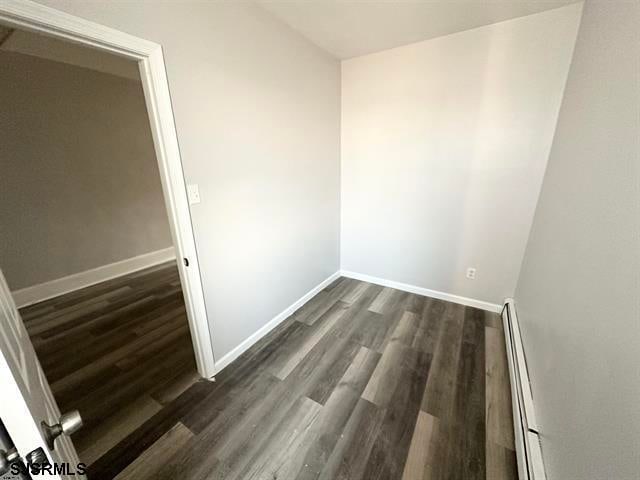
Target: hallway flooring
[117, 351]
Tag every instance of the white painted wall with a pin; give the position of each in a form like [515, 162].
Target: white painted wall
[257, 111]
[578, 295]
[444, 146]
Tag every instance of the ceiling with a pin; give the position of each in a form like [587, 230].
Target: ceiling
[28, 43]
[349, 28]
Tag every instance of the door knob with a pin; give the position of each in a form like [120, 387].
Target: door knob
[69, 423]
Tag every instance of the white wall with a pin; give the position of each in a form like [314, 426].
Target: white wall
[257, 112]
[444, 146]
[79, 178]
[578, 295]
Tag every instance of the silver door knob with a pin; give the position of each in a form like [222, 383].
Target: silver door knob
[69, 423]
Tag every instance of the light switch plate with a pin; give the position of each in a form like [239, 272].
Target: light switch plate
[193, 193]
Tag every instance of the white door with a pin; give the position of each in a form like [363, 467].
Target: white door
[25, 397]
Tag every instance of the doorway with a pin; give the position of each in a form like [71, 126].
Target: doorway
[174, 284]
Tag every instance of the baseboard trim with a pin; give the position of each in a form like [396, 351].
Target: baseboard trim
[273, 323]
[44, 291]
[449, 297]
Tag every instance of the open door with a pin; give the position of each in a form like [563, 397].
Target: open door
[28, 410]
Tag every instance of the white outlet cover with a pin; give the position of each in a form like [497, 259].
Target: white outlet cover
[193, 193]
[471, 273]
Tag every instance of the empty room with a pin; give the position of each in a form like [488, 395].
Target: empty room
[329, 239]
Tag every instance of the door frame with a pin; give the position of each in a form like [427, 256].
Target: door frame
[35, 17]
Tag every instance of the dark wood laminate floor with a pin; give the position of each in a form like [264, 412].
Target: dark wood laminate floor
[117, 351]
[363, 382]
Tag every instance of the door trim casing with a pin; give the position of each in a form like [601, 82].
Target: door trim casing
[34, 17]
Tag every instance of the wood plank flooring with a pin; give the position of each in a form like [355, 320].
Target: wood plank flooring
[363, 382]
[117, 351]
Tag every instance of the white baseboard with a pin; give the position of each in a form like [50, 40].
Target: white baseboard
[229, 357]
[274, 322]
[59, 286]
[449, 297]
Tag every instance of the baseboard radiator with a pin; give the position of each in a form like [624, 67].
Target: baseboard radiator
[527, 441]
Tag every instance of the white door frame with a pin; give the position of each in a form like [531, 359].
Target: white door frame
[29, 15]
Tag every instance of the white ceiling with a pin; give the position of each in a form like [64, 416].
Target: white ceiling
[28, 43]
[349, 28]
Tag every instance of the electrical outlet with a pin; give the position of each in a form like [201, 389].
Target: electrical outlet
[471, 273]
[193, 193]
